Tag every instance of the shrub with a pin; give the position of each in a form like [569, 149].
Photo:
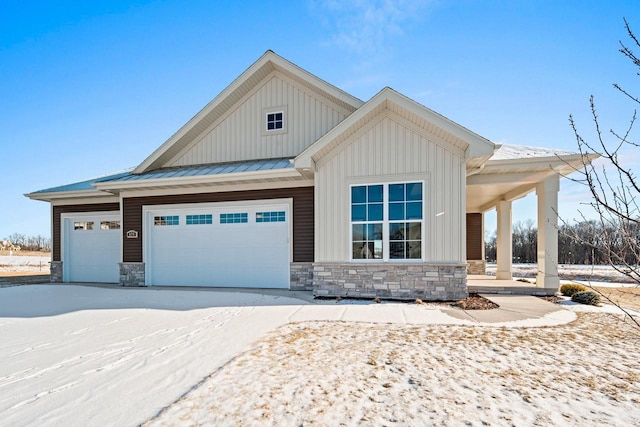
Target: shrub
[586, 297]
[571, 289]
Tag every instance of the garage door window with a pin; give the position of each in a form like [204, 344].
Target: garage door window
[199, 219]
[83, 225]
[109, 225]
[234, 218]
[270, 216]
[166, 220]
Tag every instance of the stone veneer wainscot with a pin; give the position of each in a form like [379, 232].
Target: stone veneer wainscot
[430, 282]
[301, 276]
[56, 272]
[132, 274]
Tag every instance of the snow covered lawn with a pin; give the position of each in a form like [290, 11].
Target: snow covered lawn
[318, 373]
[88, 356]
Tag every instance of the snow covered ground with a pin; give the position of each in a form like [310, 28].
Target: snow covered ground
[87, 356]
[21, 263]
[574, 272]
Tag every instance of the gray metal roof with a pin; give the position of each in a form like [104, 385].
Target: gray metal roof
[186, 171]
[202, 170]
[83, 185]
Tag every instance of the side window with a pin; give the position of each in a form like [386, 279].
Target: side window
[366, 221]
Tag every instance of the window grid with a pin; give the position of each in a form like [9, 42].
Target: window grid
[386, 221]
[405, 221]
[83, 225]
[278, 216]
[199, 219]
[166, 220]
[275, 121]
[233, 218]
[367, 203]
[109, 225]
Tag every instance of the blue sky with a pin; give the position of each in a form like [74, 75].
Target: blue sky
[88, 88]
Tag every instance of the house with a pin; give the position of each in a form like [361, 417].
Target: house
[285, 181]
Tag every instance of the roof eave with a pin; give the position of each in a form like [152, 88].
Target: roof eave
[54, 195]
[482, 147]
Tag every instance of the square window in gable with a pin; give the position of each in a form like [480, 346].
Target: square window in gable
[275, 121]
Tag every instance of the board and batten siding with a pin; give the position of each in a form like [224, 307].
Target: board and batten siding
[302, 216]
[241, 135]
[390, 150]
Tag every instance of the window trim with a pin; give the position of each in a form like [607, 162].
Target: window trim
[385, 223]
[275, 110]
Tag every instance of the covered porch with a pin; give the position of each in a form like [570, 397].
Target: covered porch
[510, 174]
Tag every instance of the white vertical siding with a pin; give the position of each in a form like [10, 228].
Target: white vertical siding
[240, 134]
[390, 150]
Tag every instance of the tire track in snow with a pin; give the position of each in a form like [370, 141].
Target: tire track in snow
[43, 394]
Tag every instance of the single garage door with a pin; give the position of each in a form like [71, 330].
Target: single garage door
[91, 247]
[218, 245]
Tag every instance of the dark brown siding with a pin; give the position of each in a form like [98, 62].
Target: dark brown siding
[57, 222]
[302, 216]
[475, 239]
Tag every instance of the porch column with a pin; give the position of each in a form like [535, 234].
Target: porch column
[504, 251]
[547, 192]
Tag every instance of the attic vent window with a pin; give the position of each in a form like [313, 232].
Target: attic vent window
[275, 121]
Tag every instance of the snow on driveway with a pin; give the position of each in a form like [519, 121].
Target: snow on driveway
[79, 355]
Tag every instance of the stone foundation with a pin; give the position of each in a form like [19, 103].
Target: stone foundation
[476, 266]
[56, 272]
[429, 282]
[132, 274]
[301, 276]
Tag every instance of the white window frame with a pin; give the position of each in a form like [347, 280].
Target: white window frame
[275, 110]
[385, 224]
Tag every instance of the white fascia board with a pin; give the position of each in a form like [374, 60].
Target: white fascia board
[201, 179]
[565, 163]
[48, 197]
[478, 145]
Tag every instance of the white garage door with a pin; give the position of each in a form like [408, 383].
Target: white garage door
[218, 245]
[91, 247]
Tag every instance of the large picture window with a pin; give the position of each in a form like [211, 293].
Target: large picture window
[386, 221]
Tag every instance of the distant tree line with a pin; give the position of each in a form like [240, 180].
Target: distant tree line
[30, 243]
[584, 242]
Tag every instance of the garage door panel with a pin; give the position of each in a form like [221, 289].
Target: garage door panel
[91, 253]
[233, 250]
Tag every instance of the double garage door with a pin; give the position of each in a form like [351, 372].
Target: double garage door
[242, 245]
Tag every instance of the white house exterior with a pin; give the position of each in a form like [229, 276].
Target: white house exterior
[285, 181]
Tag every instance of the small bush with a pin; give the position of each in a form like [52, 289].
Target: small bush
[586, 297]
[571, 289]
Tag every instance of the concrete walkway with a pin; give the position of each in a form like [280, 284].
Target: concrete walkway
[514, 310]
[517, 310]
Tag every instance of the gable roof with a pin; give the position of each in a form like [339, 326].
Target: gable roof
[477, 148]
[241, 86]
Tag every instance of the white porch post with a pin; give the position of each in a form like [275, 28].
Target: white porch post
[504, 249]
[547, 192]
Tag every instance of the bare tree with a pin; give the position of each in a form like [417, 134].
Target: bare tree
[615, 188]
